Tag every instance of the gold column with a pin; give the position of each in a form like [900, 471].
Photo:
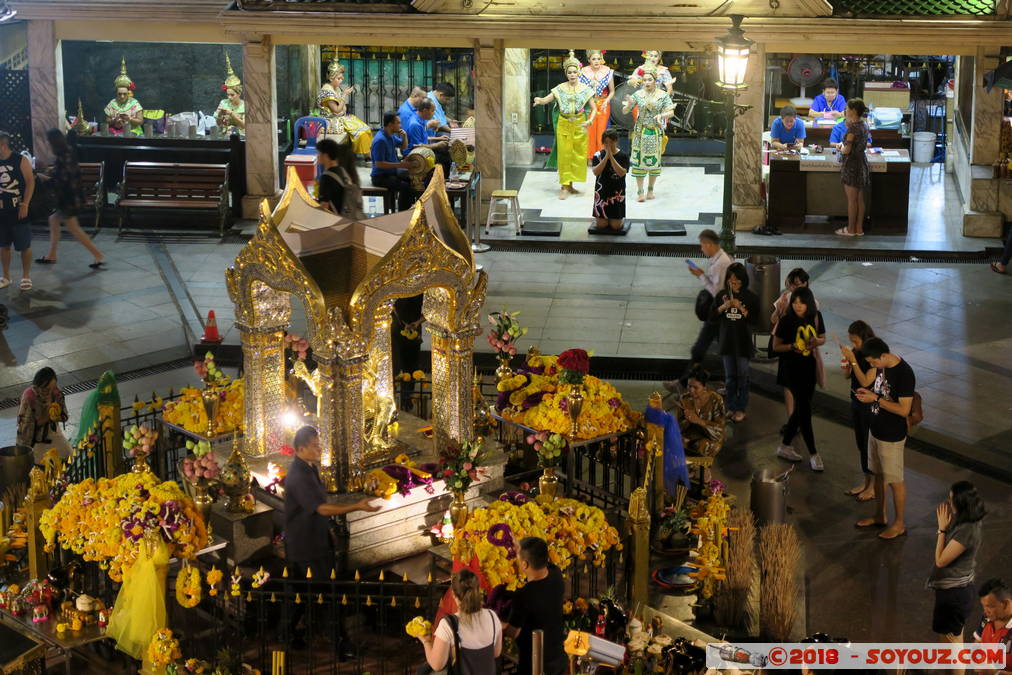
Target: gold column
[655, 446]
[36, 501]
[112, 437]
[328, 422]
[452, 372]
[264, 362]
[349, 425]
[639, 522]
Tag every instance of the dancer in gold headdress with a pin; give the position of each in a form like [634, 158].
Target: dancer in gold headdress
[231, 112]
[654, 108]
[572, 97]
[124, 113]
[600, 78]
[333, 102]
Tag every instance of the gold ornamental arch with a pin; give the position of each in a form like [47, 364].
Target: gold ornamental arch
[348, 292]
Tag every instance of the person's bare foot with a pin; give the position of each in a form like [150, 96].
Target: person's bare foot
[640, 197]
[853, 492]
[867, 494]
[870, 522]
[572, 190]
[894, 531]
[563, 193]
[650, 194]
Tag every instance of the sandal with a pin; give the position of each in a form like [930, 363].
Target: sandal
[994, 268]
[45, 261]
[894, 537]
[844, 232]
[97, 265]
[26, 285]
[869, 522]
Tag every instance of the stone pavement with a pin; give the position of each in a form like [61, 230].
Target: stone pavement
[950, 321]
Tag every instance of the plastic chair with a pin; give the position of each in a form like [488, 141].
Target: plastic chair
[310, 128]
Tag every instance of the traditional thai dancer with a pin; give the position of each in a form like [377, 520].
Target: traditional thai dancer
[601, 79]
[572, 97]
[333, 102]
[231, 112]
[654, 108]
[652, 57]
[124, 113]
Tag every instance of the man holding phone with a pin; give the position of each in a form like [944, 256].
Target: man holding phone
[712, 280]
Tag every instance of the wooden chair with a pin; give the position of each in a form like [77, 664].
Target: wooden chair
[186, 187]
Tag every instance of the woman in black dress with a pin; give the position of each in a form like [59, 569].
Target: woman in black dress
[66, 177]
[861, 374]
[854, 171]
[610, 166]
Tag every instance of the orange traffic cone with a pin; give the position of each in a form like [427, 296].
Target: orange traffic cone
[211, 335]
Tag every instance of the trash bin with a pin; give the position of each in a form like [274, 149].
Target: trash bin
[764, 281]
[16, 461]
[769, 495]
[924, 146]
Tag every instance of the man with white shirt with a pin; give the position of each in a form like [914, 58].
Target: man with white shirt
[712, 280]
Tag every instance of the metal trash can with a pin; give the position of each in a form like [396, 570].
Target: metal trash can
[764, 281]
[769, 495]
[16, 461]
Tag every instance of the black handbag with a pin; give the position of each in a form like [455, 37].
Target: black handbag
[704, 303]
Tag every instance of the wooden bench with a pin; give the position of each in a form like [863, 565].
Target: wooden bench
[93, 183]
[183, 187]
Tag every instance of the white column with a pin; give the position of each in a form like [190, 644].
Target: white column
[261, 123]
[517, 106]
[983, 219]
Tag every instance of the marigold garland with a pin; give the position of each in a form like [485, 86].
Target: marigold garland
[214, 577]
[571, 529]
[105, 520]
[163, 648]
[188, 587]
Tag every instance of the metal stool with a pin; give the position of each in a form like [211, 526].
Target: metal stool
[508, 198]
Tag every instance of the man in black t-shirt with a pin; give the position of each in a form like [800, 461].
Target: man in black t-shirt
[538, 605]
[891, 397]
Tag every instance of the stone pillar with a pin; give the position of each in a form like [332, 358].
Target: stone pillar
[263, 353]
[261, 123]
[517, 106]
[982, 218]
[45, 78]
[488, 97]
[312, 76]
[748, 132]
[452, 372]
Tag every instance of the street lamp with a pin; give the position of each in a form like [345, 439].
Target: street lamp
[732, 63]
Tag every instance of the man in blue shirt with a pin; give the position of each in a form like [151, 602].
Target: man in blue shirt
[787, 132]
[442, 95]
[838, 132]
[418, 135]
[388, 169]
[829, 103]
[409, 109]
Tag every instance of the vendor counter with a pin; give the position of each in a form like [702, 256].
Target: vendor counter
[803, 185]
[115, 150]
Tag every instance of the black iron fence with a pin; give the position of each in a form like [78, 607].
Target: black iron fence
[16, 112]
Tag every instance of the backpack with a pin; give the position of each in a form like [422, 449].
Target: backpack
[351, 205]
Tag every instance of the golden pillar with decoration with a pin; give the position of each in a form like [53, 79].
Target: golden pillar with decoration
[328, 422]
[112, 438]
[639, 523]
[452, 372]
[350, 423]
[263, 353]
[36, 501]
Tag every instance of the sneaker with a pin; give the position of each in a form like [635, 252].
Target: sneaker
[788, 453]
[816, 462]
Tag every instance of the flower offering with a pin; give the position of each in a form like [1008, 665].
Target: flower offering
[460, 464]
[505, 331]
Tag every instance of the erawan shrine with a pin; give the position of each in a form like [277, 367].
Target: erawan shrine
[537, 338]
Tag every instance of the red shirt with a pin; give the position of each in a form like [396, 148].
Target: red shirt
[992, 631]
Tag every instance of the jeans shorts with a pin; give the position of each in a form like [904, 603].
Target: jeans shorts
[14, 231]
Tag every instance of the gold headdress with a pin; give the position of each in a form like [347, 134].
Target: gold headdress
[123, 80]
[232, 80]
[571, 61]
[648, 68]
[334, 69]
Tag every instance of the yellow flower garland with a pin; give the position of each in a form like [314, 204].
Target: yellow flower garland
[188, 587]
[163, 649]
[214, 577]
[571, 528]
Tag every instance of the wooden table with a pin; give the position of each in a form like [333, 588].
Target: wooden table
[800, 186]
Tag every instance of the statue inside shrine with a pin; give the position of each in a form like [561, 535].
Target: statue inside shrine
[231, 112]
[124, 113]
[572, 98]
[333, 102]
[654, 109]
[601, 79]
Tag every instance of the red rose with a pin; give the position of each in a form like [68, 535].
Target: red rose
[575, 359]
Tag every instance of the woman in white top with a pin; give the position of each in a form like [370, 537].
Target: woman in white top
[478, 631]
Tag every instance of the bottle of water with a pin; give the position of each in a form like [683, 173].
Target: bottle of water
[454, 173]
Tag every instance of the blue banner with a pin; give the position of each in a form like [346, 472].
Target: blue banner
[675, 469]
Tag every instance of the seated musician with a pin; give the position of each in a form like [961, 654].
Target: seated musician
[388, 169]
[829, 104]
[418, 134]
[839, 131]
[787, 131]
